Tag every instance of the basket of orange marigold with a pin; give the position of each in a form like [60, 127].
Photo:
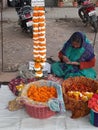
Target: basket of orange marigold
[37, 97]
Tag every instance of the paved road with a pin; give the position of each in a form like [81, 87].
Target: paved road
[10, 14]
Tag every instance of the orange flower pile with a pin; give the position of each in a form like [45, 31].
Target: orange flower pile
[42, 93]
[39, 40]
[79, 87]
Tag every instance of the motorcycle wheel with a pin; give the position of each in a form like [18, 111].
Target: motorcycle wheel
[31, 32]
[82, 15]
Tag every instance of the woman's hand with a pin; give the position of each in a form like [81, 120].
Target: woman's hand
[65, 59]
[73, 63]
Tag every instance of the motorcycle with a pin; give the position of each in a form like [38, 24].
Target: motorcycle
[87, 13]
[25, 18]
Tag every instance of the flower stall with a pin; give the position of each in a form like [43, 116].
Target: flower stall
[44, 97]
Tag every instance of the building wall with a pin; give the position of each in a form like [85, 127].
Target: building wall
[66, 2]
[69, 2]
[49, 3]
[72, 0]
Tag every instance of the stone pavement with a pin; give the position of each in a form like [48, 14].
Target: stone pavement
[53, 13]
[66, 12]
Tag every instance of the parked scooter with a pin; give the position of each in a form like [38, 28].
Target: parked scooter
[87, 13]
[25, 18]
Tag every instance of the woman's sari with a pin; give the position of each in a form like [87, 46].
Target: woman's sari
[82, 54]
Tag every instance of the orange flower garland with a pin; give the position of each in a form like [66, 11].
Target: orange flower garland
[39, 40]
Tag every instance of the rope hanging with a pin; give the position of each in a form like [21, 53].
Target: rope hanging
[94, 39]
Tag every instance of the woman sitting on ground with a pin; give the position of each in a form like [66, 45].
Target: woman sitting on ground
[76, 58]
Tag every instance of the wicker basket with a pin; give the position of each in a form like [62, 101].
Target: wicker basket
[40, 112]
[79, 108]
[35, 109]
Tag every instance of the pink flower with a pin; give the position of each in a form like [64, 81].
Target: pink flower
[95, 95]
[93, 102]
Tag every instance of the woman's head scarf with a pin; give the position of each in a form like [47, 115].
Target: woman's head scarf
[78, 36]
[85, 43]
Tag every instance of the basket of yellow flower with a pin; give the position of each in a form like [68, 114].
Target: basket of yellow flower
[76, 92]
[42, 98]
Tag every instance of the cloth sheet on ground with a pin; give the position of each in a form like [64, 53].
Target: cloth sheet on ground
[20, 120]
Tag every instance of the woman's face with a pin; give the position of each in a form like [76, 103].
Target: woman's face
[75, 44]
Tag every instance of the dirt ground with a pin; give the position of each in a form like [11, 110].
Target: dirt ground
[18, 46]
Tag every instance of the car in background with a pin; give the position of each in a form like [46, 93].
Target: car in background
[11, 3]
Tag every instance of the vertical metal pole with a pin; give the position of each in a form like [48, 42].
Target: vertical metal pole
[94, 39]
[2, 35]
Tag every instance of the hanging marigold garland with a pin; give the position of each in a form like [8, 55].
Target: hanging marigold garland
[39, 40]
